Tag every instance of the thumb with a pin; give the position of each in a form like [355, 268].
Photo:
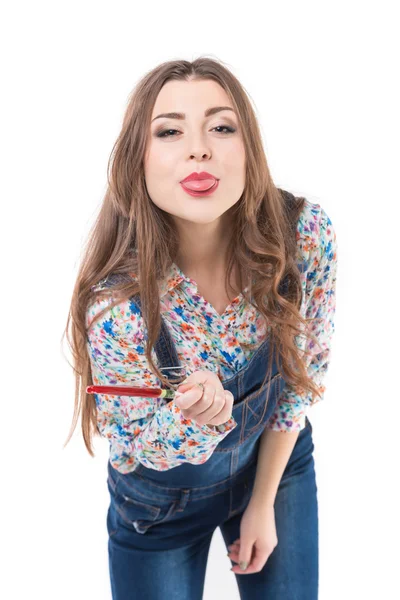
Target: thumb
[245, 551]
[184, 387]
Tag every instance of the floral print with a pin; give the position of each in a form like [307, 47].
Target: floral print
[155, 433]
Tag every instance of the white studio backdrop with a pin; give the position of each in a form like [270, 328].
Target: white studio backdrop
[322, 78]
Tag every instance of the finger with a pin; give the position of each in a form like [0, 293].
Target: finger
[226, 411]
[233, 550]
[186, 399]
[214, 402]
[257, 562]
[200, 404]
[189, 383]
[196, 377]
[234, 555]
[184, 387]
[235, 544]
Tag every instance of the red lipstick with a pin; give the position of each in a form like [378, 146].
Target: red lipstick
[200, 184]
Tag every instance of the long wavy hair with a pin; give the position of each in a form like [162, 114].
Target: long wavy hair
[132, 236]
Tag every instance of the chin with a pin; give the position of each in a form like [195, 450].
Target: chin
[204, 219]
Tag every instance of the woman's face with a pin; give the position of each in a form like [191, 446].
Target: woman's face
[177, 147]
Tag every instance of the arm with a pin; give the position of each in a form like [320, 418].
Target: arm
[290, 413]
[318, 257]
[273, 455]
[143, 430]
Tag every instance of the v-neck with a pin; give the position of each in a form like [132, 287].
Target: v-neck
[194, 285]
[229, 307]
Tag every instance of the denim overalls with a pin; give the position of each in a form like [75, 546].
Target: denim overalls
[160, 523]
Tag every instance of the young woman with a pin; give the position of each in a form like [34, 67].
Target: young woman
[200, 270]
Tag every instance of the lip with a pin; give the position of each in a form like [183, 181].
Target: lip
[197, 176]
[202, 193]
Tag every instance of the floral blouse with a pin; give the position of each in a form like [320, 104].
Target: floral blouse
[153, 431]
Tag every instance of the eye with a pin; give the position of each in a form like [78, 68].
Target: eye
[230, 129]
[162, 133]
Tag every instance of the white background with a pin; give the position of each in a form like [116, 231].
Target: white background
[323, 79]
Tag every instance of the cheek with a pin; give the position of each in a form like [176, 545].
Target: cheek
[160, 170]
[235, 166]
[234, 156]
[161, 158]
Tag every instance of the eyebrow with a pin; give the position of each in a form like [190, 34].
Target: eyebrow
[182, 116]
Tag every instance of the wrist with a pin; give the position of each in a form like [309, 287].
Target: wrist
[259, 501]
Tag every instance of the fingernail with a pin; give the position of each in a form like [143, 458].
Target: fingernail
[243, 565]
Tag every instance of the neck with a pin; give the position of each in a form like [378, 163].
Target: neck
[203, 247]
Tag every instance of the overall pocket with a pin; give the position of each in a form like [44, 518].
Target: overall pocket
[255, 404]
[139, 511]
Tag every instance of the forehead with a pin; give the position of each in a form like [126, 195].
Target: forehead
[190, 98]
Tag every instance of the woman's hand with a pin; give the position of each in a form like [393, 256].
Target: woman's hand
[257, 538]
[204, 399]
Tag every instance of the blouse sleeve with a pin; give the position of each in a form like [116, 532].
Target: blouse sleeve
[319, 285]
[150, 431]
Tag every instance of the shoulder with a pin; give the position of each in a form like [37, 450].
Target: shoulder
[124, 318]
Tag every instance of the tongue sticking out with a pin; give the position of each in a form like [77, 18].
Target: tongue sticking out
[200, 185]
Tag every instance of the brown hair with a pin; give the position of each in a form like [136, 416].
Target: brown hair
[131, 235]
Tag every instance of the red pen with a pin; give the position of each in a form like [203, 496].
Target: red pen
[127, 390]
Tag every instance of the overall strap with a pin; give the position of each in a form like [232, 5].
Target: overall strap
[164, 347]
[166, 352]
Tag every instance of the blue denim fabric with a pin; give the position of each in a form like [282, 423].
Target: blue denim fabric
[160, 523]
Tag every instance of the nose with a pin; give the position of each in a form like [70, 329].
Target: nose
[203, 155]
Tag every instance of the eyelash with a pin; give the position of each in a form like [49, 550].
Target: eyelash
[230, 130]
